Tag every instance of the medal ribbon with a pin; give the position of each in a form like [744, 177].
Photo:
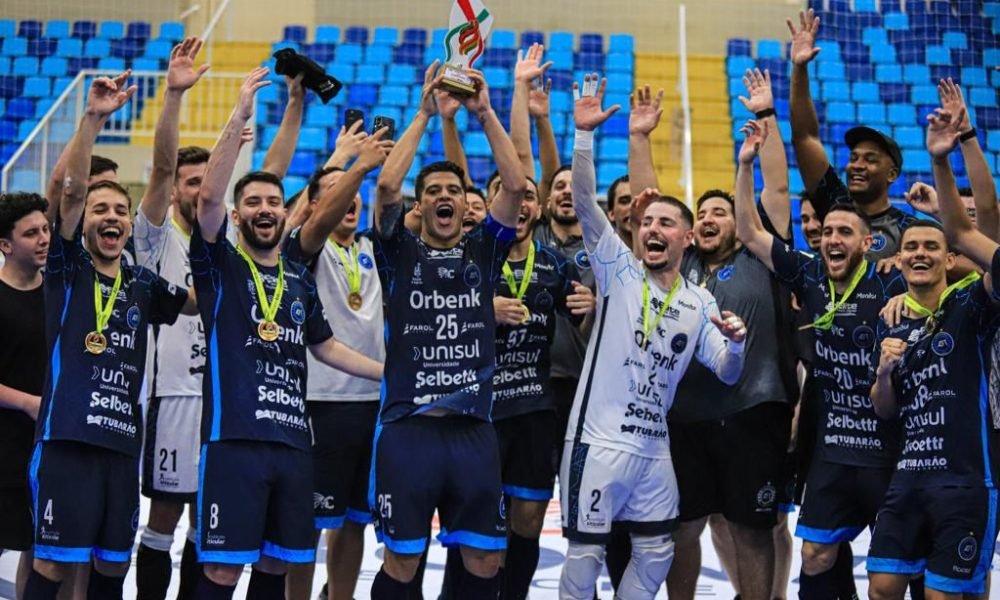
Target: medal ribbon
[923, 311]
[529, 267]
[103, 310]
[353, 274]
[178, 227]
[268, 309]
[825, 322]
[648, 328]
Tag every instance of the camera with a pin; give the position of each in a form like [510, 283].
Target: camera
[291, 63]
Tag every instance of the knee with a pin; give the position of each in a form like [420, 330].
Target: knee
[527, 518]
[651, 559]
[226, 575]
[750, 537]
[164, 516]
[401, 567]
[688, 533]
[481, 563]
[581, 570]
[818, 558]
[271, 566]
[111, 569]
[52, 571]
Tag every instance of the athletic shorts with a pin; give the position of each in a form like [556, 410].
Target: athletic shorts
[86, 502]
[16, 529]
[733, 466]
[528, 454]
[605, 486]
[947, 533]
[788, 493]
[451, 464]
[171, 448]
[343, 433]
[840, 501]
[254, 499]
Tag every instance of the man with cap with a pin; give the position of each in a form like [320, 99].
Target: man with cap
[874, 164]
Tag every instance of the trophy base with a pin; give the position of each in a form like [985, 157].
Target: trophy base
[457, 80]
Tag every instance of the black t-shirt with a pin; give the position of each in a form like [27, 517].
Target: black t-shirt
[22, 367]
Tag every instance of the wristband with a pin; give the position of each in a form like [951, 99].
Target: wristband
[767, 112]
[735, 347]
[968, 135]
[584, 140]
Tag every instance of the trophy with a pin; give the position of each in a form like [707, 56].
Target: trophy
[468, 27]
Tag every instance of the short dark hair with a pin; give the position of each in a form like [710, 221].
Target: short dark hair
[471, 189]
[613, 188]
[101, 164]
[716, 194]
[686, 213]
[312, 188]
[552, 180]
[848, 207]
[14, 206]
[965, 191]
[917, 223]
[107, 184]
[441, 166]
[191, 155]
[255, 176]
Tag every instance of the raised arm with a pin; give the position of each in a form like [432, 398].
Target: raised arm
[279, 155]
[181, 76]
[335, 200]
[389, 190]
[809, 151]
[548, 149]
[527, 69]
[642, 121]
[348, 360]
[773, 162]
[507, 205]
[105, 97]
[588, 116]
[749, 228]
[348, 145]
[984, 189]
[448, 107]
[212, 195]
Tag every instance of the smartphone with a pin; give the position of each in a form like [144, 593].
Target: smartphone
[351, 116]
[381, 122]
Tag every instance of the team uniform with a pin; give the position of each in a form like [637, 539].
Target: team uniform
[22, 367]
[173, 417]
[440, 337]
[855, 449]
[90, 420]
[343, 409]
[616, 466]
[524, 410]
[940, 513]
[255, 482]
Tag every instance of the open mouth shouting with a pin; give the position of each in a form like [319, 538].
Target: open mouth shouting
[110, 235]
[265, 225]
[656, 250]
[444, 214]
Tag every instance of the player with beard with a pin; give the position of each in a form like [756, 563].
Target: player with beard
[841, 293]
[342, 409]
[440, 334]
[812, 226]
[939, 515]
[255, 481]
[24, 242]
[753, 416]
[93, 519]
[619, 208]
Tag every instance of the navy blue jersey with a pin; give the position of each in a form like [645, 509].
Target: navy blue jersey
[849, 432]
[91, 398]
[521, 382]
[254, 389]
[440, 327]
[941, 390]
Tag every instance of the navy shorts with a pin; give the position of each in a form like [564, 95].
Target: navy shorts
[343, 433]
[840, 501]
[255, 498]
[528, 453]
[451, 464]
[947, 533]
[86, 502]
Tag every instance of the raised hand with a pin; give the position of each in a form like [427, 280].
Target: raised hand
[639, 205]
[374, 150]
[529, 65]
[478, 102]
[538, 98]
[587, 112]
[181, 72]
[756, 132]
[730, 326]
[891, 355]
[254, 81]
[943, 132]
[349, 140]
[582, 300]
[646, 111]
[447, 104]
[107, 95]
[923, 198]
[246, 136]
[804, 48]
[296, 91]
[759, 87]
[953, 101]
[428, 105]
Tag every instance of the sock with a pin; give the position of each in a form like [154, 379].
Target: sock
[104, 587]
[153, 565]
[206, 589]
[265, 586]
[189, 571]
[917, 588]
[479, 588]
[387, 588]
[522, 560]
[619, 551]
[454, 571]
[40, 587]
[818, 587]
[417, 585]
[844, 570]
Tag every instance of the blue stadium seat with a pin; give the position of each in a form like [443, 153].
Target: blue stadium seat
[840, 112]
[96, 48]
[736, 66]
[24, 130]
[15, 46]
[312, 138]
[415, 35]
[561, 40]
[112, 30]
[498, 57]
[356, 35]
[613, 148]
[70, 47]
[622, 42]
[295, 33]
[84, 30]
[924, 94]
[394, 95]
[830, 70]
[502, 38]
[991, 57]
[126, 48]
[620, 83]
[303, 163]
[768, 48]
[739, 47]
[608, 172]
[42, 47]
[385, 36]
[393, 112]
[320, 53]
[938, 55]
[344, 73]
[37, 87]
[8, 28]
[476, 144]
[873, 36]
[973, 76]
[592, 42]
[871, 114]
[560, 101]
[111, 65]
[57, 29]
[737, 88]
[362, 95]
[532, 37]
[883, 54]
[8, 130]
[993, 140]
[348, 54]
[24, 65]
[171, 30]
[370, 74]
[60, 84]
[438, 36]
[4, 68]
[888, 73]
[902, 114]
[138, 30]
[864, 91]
[589, 61]
[830, 51]
[401, 75]
[562, 59]
[20, 109]
[54, 66]
[991, 9]
[378, 55]
[409, 54]
[498, 78]
[917, 160]
[320, 115]
[30, 29]
[865, 6]
[955, 40]
[327, 34]
[835, 91]
[978, 96]
[159, 49]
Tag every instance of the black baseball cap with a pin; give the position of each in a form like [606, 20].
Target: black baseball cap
[856, 135]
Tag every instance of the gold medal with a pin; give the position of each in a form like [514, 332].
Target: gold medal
[354, 300]
[268, 330]
[95, 342]
[516, 290]
[527, 314]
